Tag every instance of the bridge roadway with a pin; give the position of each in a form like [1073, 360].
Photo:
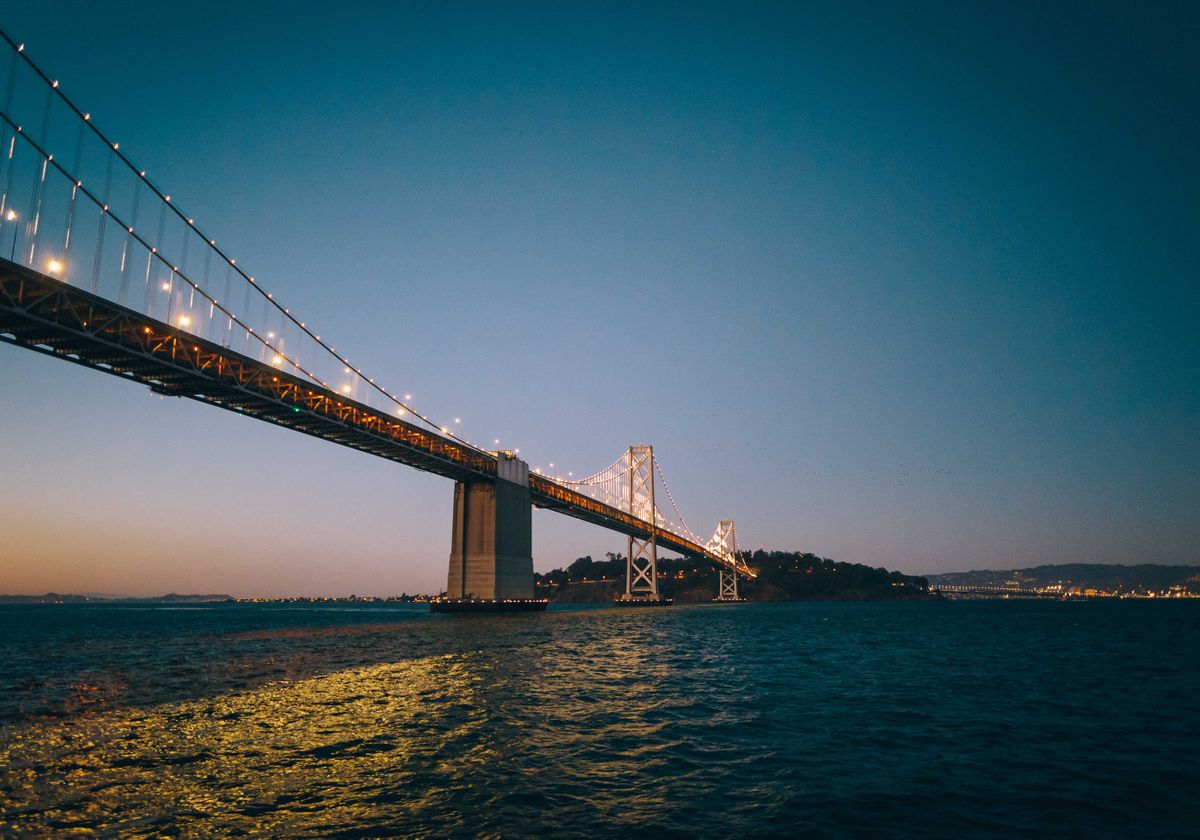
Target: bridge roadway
[52, 317]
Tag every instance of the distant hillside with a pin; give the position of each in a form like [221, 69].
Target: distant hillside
[1149, 577]
[56, 598]
[782, 576]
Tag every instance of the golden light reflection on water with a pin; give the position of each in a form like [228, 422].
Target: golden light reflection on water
[306, 755]
[459, 740]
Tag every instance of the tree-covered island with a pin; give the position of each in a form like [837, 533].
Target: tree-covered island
[781, 576]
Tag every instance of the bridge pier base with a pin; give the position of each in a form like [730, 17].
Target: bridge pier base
[491, 557]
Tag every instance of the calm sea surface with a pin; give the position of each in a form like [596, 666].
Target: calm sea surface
[959, 719]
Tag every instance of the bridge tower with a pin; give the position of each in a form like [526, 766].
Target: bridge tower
[729, 586]
[641, 563]
[491, 557]
[724, 543]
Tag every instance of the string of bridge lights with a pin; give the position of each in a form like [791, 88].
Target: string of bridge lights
[593, 478]
[619, 468]
[403, 408]
[683, 524]
[608, 486]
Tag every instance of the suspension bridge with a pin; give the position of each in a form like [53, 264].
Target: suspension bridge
[101, 267]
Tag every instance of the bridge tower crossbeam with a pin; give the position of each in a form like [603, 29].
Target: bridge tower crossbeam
[729, 586]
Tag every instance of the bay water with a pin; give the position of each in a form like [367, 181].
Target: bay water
[931, 719]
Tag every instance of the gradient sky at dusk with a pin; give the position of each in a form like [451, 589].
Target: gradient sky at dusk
[909, 285]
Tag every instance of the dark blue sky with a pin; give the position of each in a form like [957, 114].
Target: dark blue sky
[912, 285]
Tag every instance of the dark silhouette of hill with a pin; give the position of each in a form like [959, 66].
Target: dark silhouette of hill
[782, 576]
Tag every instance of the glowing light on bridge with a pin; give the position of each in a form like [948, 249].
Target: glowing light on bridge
[54, 267]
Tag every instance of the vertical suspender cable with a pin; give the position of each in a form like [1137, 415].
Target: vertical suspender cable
[39, 187]
[4, 140]
[71, 207]
[103, 223]
[137, 195]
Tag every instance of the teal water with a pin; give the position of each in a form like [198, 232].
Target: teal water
[954, 719]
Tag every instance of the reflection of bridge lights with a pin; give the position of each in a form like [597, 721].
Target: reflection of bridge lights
[166, 286]
[401, 411]
[10, 216]
[457, 419]
[276, 359]
[53, 267]
[345, 389]
[184, 320]
[407, 397]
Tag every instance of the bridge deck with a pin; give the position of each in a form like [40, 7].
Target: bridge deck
[52, 317]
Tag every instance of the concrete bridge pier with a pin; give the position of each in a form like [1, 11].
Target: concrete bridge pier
[491, 555]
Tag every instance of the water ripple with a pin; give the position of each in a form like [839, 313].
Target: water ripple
[945, 720]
